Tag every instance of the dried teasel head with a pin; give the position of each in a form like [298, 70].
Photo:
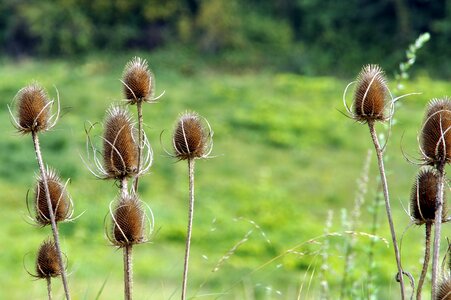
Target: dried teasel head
[444, 290]
[138, 81]
[120, 149]
[191, 137]
[47, 263]
[129, 222]
[436, 132]
[424, 195]
[370, 95]
[61, 202]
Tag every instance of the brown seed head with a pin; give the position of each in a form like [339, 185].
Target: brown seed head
[424, 195]
[61, 204]
[436, 133]
[129, 222]
[120, 149]
[33, 109]
[190, 137]
[47, 264]
[444, 290]
[138, 80]
[370, 95]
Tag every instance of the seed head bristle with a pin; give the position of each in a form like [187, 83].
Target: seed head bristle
[444, 290]
[424, 195]
[129, 222]
[59, 197]
[190, 137]
[436, 133]
[370, 95]
[33, 109]
[120, 149]
[138, 81]
[47, 264]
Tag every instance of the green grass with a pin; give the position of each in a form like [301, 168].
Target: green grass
[284, 156]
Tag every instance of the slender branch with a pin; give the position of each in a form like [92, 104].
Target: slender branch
[140, 139]
[427, 254]
[438, 227]
[49, 287]
[380, 161]
[123, 185]
[190, 225]
[128, 272]
[52, 215]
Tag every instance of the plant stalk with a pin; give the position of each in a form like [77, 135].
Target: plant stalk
[427, 254]
[49, 287]
[438, 227]
[140, 140]
[190, 225]
[123, 186]
[380, 161]
[128, 272]
[52, 215]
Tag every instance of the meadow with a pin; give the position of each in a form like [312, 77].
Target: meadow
[284, 156]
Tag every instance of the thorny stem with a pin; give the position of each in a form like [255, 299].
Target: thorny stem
[427, 254]
[140, 138]
[123, 186]
[52, 215]
[438, 227]
[49, 287]
[190, 225]
[128, 272]
[380, 161]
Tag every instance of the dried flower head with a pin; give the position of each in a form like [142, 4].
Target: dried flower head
[61, 202]
[370, 95]
[33, 107]
[120, 149]
[138, 81]
[436, 132]
[424, 195]
[47, 264]
[191, 139]
[129, 222]
[444, 290]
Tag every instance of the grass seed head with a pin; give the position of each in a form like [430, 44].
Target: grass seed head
[59, 197]
[370, 95]
[190, 137]
[120, 149]
[47, 264]
[137, 80]
[436, 132]
[33, 109]
[424, 195]
[129, 222]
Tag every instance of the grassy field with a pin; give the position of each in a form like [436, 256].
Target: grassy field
[284, 157]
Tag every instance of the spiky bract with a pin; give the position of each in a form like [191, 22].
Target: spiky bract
[47, 264]
[61, 204]
[138, 81]
[424, 195]
[33, 107]
[444, 290]
[436, 132]
[129, 222]
[120, 149]
[190, 138]
[370, 95]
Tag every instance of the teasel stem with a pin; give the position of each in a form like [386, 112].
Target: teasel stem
[380, 161]
[49, 287]
[128, 272]
[123, 185]
[140, 139]
[438, 226]
[51, 214]
[427, 254]
[190, 225]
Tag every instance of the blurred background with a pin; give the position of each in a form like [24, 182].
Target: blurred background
[288, 167]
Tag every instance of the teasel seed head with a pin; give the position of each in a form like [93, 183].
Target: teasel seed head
[191, 139]
[138, 81]
[444, 290]
[120, 149]
[129, 222]
[370, 95]
[33, 107]
[424, 195]
[436, 132]
[47, 264]
[61, 202]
